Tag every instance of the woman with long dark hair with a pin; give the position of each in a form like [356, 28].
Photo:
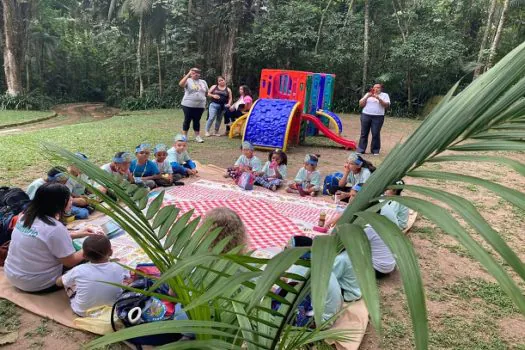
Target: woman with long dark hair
[41, 246]
[241, 106]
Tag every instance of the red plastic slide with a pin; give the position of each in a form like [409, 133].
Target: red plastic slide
[348, 144]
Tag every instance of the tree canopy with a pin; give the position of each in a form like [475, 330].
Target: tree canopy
[132, 53]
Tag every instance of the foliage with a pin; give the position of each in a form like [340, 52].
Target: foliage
[34, 101]
[87, 51]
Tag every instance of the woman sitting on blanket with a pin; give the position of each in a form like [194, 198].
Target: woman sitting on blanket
[41, 246]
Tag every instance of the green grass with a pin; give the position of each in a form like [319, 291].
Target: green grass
[22, 160]
[41, 331]
[455, 332]
[15, 117]
[498, 304]
[9, 316]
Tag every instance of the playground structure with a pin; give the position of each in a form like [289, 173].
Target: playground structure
[291, 106]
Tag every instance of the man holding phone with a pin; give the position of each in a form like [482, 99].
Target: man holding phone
[374, 104]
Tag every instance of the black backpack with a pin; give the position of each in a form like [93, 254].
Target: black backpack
[12, 202]
[128, 301]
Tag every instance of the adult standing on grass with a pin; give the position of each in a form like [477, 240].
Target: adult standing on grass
[221, 96]
[374, 104]
[193, 102]
[41, 246]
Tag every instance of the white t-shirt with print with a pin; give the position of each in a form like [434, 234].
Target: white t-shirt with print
[84, 287]
[32, 261]
[373, 107]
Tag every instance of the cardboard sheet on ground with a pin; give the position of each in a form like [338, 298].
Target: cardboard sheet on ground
[299, 217]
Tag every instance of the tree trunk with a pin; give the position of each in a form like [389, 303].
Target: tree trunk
[321, 26]
[349, 13]
[159, 67]
[497, 37]
[11, 55]
[148, 71]
[139, 57]
[409, 91]
[233, 29]
[481, 54]
[365, 47]
[227, 57]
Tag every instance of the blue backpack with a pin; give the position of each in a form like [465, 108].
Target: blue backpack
[331, 180]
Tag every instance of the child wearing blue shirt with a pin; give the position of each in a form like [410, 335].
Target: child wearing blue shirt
[247, 162]
[144, 171]
[179, 158]
[274, 171]
[307, 182]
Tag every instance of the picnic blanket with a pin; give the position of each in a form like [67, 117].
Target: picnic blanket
[285, 215]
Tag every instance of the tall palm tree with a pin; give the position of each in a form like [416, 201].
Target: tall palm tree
[487, 116]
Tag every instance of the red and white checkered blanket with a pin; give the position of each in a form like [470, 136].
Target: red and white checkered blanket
[265, 226]
[306, 209]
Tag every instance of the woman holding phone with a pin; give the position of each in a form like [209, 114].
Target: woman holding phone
[374, 104]
[193, 102]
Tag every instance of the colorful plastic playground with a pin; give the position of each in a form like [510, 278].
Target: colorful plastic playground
[291, 106]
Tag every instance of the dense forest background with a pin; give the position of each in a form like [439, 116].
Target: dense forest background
[132, 53]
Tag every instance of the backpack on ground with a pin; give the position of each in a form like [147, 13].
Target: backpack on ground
[12, 202]
[331, 181]
[13, 199]
[132, 308]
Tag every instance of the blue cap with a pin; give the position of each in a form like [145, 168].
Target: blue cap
[142, 147]
[311, 159]
[355, 158]
[160, 148]
[180, 138]
[57, 177]
[122, 157]
[247, 145]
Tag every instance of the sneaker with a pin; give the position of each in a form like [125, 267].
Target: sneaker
[273, 188]
[375, 154]
[207, 134]
[217, 133]
[199, 139]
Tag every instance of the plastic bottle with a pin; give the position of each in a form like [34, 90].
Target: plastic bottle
[322, 219]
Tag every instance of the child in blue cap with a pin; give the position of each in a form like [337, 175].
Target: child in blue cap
[247, 162]
[179, 158]
[307, 182]
[144, 171]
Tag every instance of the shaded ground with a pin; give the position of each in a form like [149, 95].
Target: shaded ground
[466, 309]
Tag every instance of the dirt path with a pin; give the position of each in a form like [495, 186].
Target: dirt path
[68, 114]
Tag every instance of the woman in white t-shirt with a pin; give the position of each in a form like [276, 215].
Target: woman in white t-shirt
[374, 104]
[41, 246]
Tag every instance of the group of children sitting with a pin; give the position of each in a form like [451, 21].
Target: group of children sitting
[170, 166]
